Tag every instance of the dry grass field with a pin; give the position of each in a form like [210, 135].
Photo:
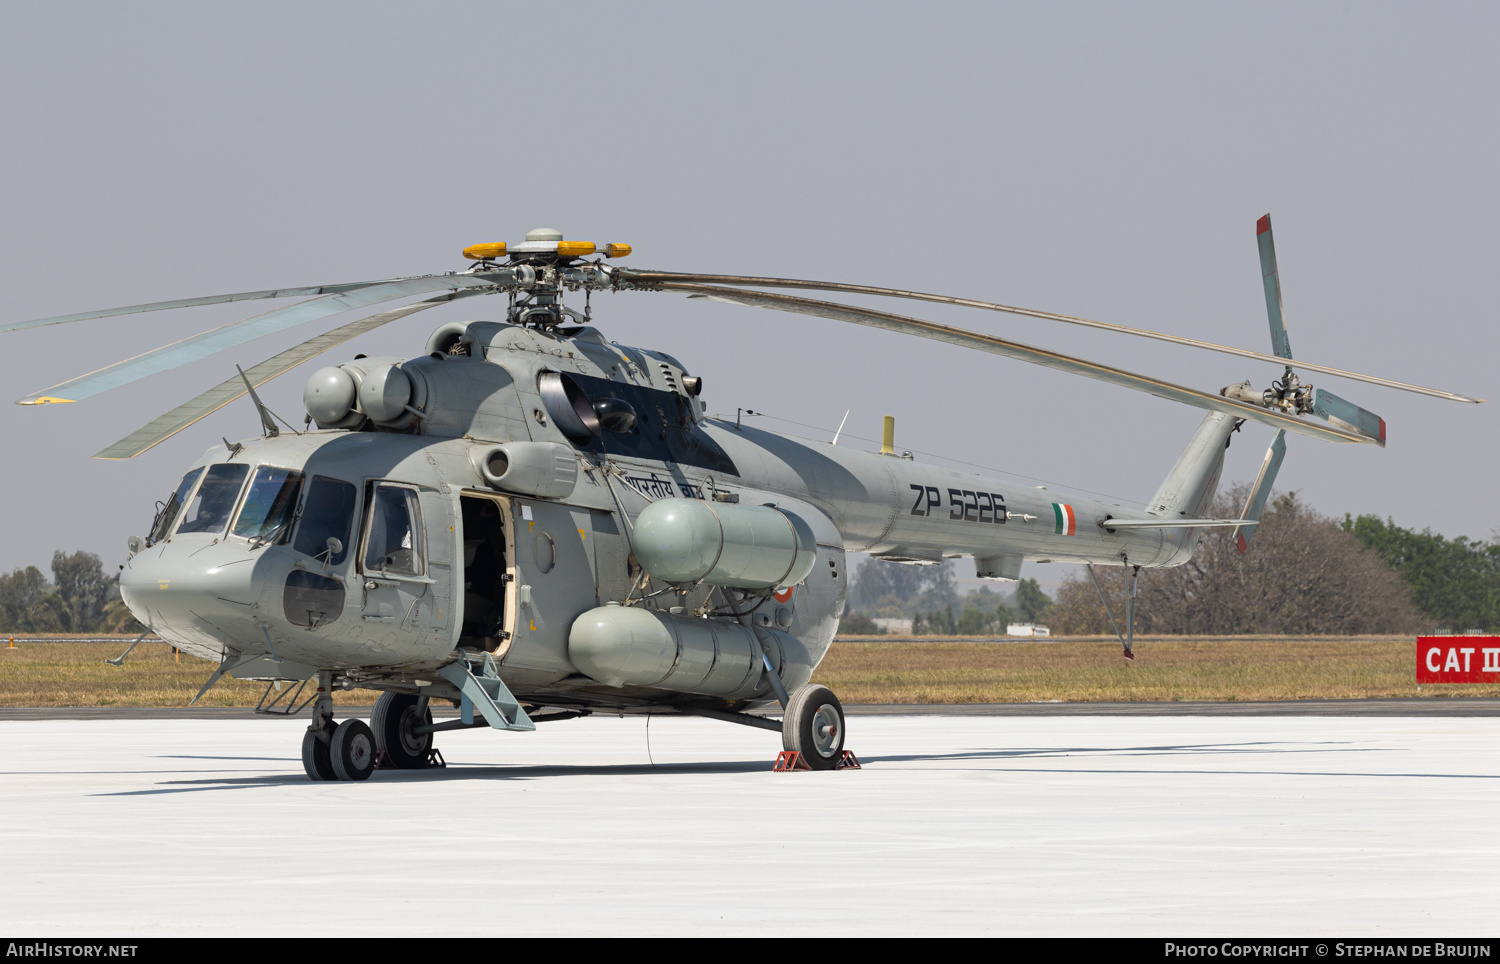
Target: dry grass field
[1170, 668]
[75, 674]
[1165, 668]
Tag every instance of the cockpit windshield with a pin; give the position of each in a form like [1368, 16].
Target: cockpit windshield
[167, 514]
[209, 511]
[266, 516]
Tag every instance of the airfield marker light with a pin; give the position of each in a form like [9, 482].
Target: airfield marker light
[617, 250]
[575, 249]
[888, 436]
[481, 252]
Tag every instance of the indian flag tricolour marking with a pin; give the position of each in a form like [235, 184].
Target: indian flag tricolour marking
[1067, 522]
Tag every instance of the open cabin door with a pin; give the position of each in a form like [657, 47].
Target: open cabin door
[487, 580]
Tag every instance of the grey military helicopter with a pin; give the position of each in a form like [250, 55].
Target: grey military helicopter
[533, 522]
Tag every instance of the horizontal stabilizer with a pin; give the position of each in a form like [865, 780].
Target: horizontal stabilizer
[1348, 415]
[1173, 523]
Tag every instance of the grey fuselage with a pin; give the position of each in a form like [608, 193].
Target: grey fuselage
[510, 566]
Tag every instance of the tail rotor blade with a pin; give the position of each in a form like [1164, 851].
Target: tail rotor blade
[1261, 491]
[1280, 344]
[1346, 414]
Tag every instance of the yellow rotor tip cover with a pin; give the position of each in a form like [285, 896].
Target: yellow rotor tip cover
[44, 400]
[481, 252]
[616, 250]
[575, 249]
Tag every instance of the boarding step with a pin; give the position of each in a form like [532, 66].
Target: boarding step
[488, 692]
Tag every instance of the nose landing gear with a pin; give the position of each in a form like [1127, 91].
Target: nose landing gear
[343, 751]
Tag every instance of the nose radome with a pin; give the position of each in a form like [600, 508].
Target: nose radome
[215, 594]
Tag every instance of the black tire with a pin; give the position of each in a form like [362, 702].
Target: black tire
[813, 725]
[352, 751]
[315, 758]
[395, 715]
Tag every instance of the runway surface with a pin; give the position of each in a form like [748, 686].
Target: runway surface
[1183, 825]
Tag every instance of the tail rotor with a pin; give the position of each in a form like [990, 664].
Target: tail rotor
[1288, 394]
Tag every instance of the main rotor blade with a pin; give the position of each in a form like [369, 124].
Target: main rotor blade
[160, 429]
[1026, 353]
[664, 279]
[1271, 279]
[208, 300]
[237, 333]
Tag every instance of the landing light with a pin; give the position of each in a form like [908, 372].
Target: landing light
[481, 252]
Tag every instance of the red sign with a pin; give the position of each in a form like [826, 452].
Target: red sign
[1458, 659]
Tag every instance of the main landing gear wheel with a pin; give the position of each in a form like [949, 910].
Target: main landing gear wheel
[352, 751]
[315, 758]
[393, 721]
[813, 725]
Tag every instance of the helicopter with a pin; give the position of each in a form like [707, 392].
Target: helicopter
[533, 523]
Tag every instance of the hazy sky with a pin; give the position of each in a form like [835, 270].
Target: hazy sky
[1106, 160]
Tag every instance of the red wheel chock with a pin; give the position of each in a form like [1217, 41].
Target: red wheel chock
[789, 760]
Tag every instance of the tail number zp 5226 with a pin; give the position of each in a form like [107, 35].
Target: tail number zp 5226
[964, 505]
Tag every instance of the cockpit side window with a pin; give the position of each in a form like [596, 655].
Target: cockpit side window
[266, 516]
[166, 516]
[214, 502]
[328, 513]
[393, 533]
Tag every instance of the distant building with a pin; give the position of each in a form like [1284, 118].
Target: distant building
[1027, 629]
[897, 627]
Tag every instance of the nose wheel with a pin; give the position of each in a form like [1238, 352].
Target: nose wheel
[813, 725]
[343, 751]
[315, 757]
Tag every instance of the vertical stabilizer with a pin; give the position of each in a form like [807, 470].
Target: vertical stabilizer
[1189, 487]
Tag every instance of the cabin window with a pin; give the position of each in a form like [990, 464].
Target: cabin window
[167, 514]
[328, 513]
[393, 534]
[214, 501]
[266, 516]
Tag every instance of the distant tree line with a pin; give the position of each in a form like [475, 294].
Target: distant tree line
[1304, 574]
[928, 596]
[79, 599]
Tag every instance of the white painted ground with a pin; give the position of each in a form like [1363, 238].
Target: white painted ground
[1157, 826]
